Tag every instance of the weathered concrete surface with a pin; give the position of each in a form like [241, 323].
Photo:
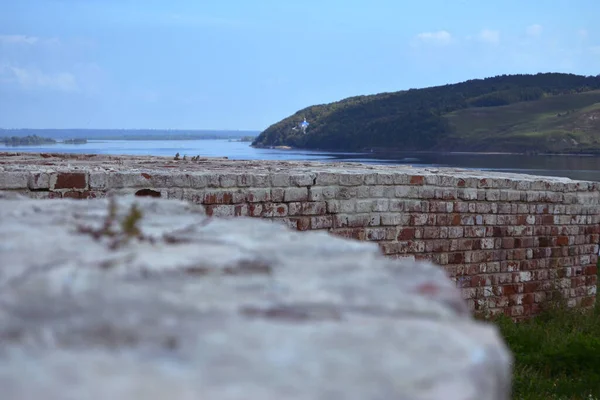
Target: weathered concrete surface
[226, 309]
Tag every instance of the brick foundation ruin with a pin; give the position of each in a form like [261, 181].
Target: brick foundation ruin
[508, 240]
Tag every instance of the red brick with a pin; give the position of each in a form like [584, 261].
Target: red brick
[254, 210]
[417, 180]
[461, 183]
[406, 234]
[314, 208]
[508, 243]
[562, 241]
[510, 289]
[303, 223]
[456, 219]
[499, 231]
[545, 241]
[71, 180]
[350, 233]
[591, 280]
[147, 176]
[528, 299]
[218, 198]
[443, 220]
[590, 270]
[240, 210]
[456, 258]
[72, 195]
[88, 195]
[478, 281]
[531, 287]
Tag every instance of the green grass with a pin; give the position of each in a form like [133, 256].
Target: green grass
[557, 354]
[562, 122]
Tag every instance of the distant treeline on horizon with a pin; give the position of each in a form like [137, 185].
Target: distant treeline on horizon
[127, 134]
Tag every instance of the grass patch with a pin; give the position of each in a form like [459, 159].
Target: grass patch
[561, 122]
[557, 354]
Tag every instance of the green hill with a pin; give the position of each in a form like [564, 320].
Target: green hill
[550, 112]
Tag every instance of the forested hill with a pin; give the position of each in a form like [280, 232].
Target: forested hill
[552, 112]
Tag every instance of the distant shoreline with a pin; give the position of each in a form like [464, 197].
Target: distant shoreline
[396, 152]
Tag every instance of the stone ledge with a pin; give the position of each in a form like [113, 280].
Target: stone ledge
[226, 309]
[139, 171]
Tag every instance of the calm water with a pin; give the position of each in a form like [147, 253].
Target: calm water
[584, 168]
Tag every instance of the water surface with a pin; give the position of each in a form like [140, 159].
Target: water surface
[575, 167]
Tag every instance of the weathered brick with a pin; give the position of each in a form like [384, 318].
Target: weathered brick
[280, 180]
[314, 208]
[38, 181]
[322, 193]
[380, 205]
[348, 179]
[223, 197]
[321, 222]
[72, 195]
[221, 210]
[346, 193]
[260, 180]
[356, 220]
[295, 194]
[327, 179]
[406, 234]
[306, 179]
[228, 180]
[395, 219]
[258, 195]
[70, 180]
[271, 210]
[364, 206]
[242, 180]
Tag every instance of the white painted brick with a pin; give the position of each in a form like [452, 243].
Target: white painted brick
[295, 194]
[13, 180]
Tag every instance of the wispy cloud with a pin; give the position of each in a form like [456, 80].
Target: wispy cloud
[18, 39]
[33, 78]
[534, 30]
[582, 33]
[489, 36]
[437, 38]
[24, 40]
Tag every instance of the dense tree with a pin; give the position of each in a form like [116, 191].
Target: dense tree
[412, 119]
[26, 141]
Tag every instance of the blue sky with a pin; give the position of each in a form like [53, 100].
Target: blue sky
[245, 64]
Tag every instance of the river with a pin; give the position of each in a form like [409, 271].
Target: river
[575, 167]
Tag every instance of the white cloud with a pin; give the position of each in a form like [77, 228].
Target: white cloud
[33, 78]
[24, 40]
[582, 33]
[438, 38]
[489, 36]
[534, 30]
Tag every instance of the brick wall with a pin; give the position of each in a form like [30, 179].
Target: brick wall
[509, 241]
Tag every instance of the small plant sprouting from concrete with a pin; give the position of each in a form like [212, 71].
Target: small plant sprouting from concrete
[184, 158]
[129, 226]
[176, 157]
